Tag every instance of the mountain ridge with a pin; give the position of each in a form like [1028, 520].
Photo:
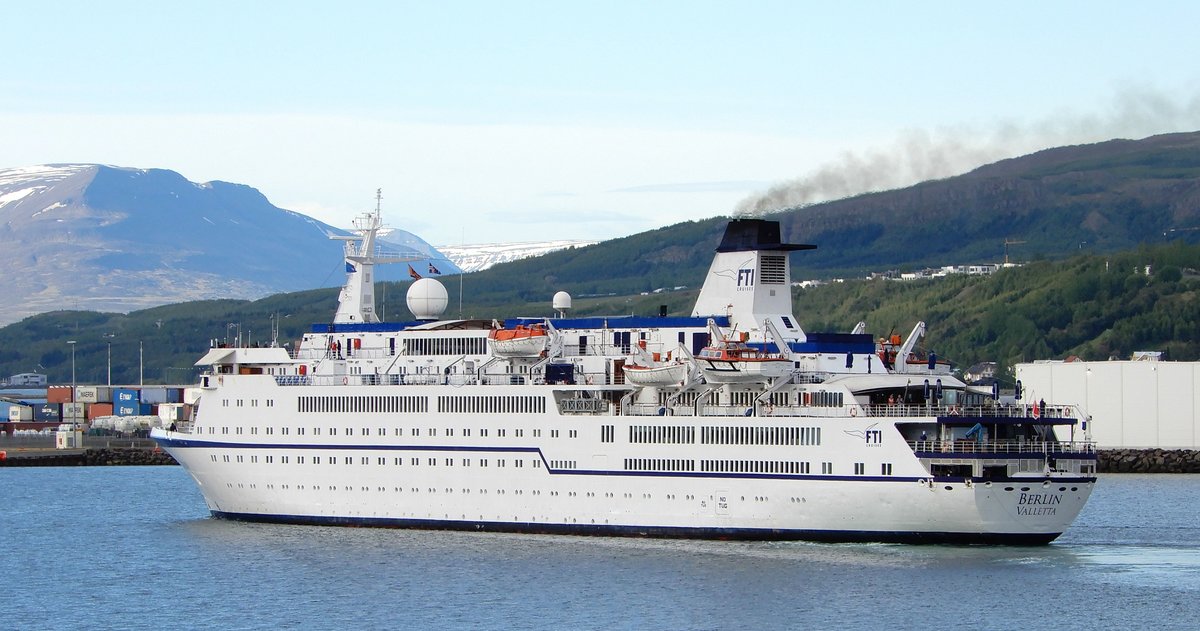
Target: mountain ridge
[116, 238]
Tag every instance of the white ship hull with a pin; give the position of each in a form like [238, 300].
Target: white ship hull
[382, 475]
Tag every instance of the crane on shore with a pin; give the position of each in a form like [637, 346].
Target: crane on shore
[1008, 242]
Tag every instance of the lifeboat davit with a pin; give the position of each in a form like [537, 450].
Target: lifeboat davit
[522, 341]
[918, 365]
[735, 362]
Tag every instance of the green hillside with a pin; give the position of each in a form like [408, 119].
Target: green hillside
[1053, 204]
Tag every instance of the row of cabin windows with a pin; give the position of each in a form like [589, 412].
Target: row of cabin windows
[446, 346]
[822, 398]
[860, 468]
[659, 464]
[623, 341]
[382, 460]
[753, 466]
[760, 435]
[466, 491]
[361, 404]
[748, 398]
[419, 404]
[270, 403]
[396, 431]
[631, 464]
[671, 434]
[607, 433]
[492, 405]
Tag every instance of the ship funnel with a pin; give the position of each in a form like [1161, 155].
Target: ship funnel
[750, 277]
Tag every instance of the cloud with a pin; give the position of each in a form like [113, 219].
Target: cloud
[920, 155]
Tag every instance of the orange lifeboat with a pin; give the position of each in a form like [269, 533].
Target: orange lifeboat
[736, 362]
[522, 341]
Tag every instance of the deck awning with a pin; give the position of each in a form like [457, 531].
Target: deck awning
[215, 356]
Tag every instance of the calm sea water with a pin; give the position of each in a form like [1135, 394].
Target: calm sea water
[134, 548]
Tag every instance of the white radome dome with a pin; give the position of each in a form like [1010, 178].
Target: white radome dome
[561, 302]
[427, 299]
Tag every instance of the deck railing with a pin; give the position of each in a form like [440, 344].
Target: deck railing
[1003, 446]
[1022, 410]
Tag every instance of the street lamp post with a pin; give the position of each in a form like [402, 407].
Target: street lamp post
[72, 344]
[110, 363]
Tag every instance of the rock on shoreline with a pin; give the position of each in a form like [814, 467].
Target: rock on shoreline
[90, 457]
[1149, 461]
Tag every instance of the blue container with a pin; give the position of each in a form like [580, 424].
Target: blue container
[126, 396]
[127, 409]
[47, 412]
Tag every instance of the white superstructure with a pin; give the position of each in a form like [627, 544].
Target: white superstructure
[425, 424]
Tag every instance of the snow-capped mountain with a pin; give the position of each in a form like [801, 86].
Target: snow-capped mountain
[473, 258]
[95, 237]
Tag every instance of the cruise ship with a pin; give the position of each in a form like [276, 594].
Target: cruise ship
[728, 423]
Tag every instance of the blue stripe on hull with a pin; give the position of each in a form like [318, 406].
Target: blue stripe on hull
[744, 534]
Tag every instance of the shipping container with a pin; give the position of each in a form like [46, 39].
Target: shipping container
[47, 412]
[68, 438]
[93, 394]
[19, 413]
[58, 394]
[162, 395]
[96, 410]
[192, 394]
[154, 395]
[125, 396]
[74, 411]
[171, 412]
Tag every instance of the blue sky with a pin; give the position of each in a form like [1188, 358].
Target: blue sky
[487, 122]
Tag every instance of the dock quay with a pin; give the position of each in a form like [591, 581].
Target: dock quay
[104, 452]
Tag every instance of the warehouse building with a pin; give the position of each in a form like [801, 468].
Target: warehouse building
[1132, 404]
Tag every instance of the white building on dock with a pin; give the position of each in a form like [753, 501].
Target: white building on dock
[1132, 404]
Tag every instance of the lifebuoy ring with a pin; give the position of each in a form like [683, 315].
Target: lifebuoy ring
[853, 411]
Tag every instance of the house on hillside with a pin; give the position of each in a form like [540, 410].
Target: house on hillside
[980, 374]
